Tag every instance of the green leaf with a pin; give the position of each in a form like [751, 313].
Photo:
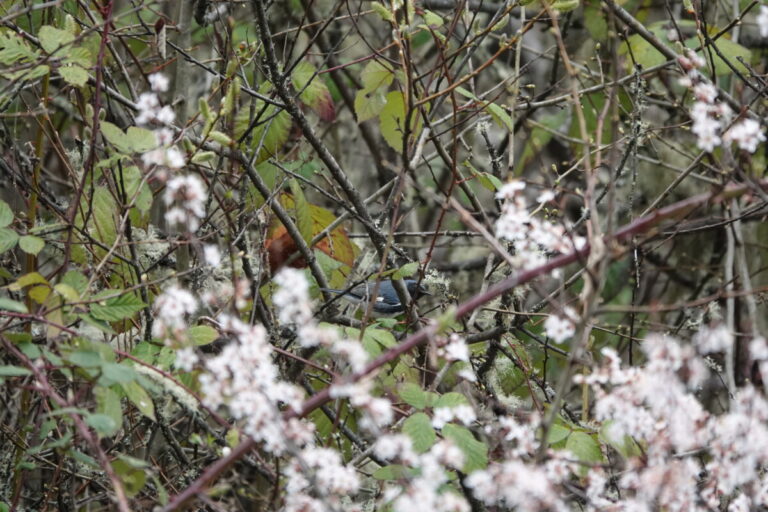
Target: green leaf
[76, 280]
[136, 187]
[451, 399]
[392, 120]
[7, 304]
[140, 398]
[271, 130]
[432, 19]
[312, 90]
[489, 181]
[140, 140]
[413, 395]
[108, 404]
[382, 11]
[498, 114]
[74, 75]
[369, 104]
[28, 280]
[419, 428]
[116, 373]
[406, 270]
[103, 425]
[202, 334]
[117, 308]
[51, 38]
[376, 75]
[380, 336]
[585, 448]
[115, 136]
[8, 239]
[626, 446]
[475, 452]
[31, 244]
[14, 371]
[13, 49]
[557, 433]
[85, 359]
[301, 211]
[393, 472]
[105, 210]
[133, 478]
[6, 214]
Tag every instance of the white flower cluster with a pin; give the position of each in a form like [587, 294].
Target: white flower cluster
[532, 237]
[426, 490]
[188, 194]
[655, 406]
[150, 111]
[244, 377]
[172, 308]
[330, 475]
[442, 415]
[453, 348]
[560, 328]
[762, 21]
[710, 117]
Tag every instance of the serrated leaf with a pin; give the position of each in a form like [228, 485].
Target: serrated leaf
[31, 244]
[74, 75]
[117, 308]
[52, 38]
[13, 49]
[475, 452]
[8, 239]
[140, 398]
[6, 214]
[202, 334]
[419, 428]
[451, 399]
[81, 56]
[7, 304]
[413, 395]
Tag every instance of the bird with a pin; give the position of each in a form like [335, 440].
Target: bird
[387, 302]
